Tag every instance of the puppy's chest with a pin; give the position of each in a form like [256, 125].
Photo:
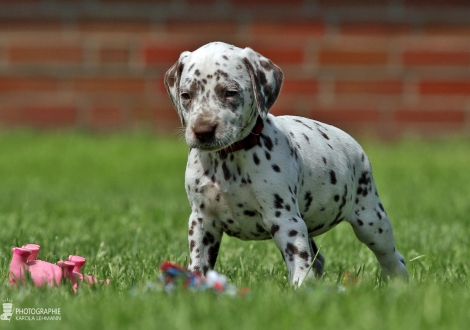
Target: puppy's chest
[224, 198]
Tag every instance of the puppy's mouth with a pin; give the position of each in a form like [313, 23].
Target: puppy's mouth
[225, 142]
[206, 146]
[211, 139]
[217, 137]
[214, 145]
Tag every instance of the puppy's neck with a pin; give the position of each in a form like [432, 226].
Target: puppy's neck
[248, 142]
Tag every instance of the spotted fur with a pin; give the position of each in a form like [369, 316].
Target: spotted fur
[301, 179]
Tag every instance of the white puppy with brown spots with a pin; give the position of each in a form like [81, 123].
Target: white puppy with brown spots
[256, 176]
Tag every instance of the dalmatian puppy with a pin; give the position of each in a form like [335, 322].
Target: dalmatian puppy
[256, 176]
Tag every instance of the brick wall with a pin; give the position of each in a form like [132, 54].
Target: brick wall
[374, 67]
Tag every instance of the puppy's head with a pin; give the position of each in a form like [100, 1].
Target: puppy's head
[219, 90]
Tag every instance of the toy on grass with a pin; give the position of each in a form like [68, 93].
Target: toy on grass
[41, 272]
[24, 264]
[67, 272]
[174, 275]
[78, 262]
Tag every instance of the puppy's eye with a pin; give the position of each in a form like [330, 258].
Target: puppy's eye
[185, 96]
[230, 93]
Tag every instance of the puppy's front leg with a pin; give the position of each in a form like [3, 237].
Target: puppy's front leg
[291, 238]
[204, 243]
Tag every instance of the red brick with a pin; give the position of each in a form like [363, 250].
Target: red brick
[105, 117]
[439, 87]
[163, 110]
[288, 28]
[282, 55]
[291, 86]
[167, 121]
[352, 57]
[163, 54]
[201, 2]
[266, 2]
[114, 55]
[367, 3]
[429, 116]
[206, 28]
[39, 54]
[30, 24]
[160, 86]
[13, 84]
[436, 58]
[39, 116]
[166, 113]
[369, 86]
[144, 113]
[345, 115]
[122, 26]
[138, 1]
[447, 30]
[125, 85]
[439, 3]
[21, 1]
[374, 29]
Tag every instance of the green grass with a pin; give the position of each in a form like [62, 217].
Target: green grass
[119, 200]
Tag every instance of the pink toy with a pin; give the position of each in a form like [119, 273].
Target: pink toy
[42, 272]
[79, 262]
[34, 250]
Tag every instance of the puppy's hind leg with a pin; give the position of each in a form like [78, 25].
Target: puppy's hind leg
[373, 228]
[319, 263]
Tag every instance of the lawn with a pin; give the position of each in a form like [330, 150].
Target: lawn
[119, 200]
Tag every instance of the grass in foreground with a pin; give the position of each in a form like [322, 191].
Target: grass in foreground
[119, 200]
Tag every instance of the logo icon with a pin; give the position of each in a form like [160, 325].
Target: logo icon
[7, 310]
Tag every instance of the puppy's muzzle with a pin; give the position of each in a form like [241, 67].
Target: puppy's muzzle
[205, 132]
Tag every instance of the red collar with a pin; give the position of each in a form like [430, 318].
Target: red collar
[247, 143]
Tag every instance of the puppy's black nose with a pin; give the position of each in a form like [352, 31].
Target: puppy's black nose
[205, 132]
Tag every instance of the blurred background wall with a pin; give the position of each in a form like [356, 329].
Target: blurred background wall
[385, 68]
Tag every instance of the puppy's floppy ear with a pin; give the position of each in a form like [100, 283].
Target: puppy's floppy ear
[172, 83]
[266, 79]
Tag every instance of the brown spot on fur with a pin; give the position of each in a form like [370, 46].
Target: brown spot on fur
[274, 230]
